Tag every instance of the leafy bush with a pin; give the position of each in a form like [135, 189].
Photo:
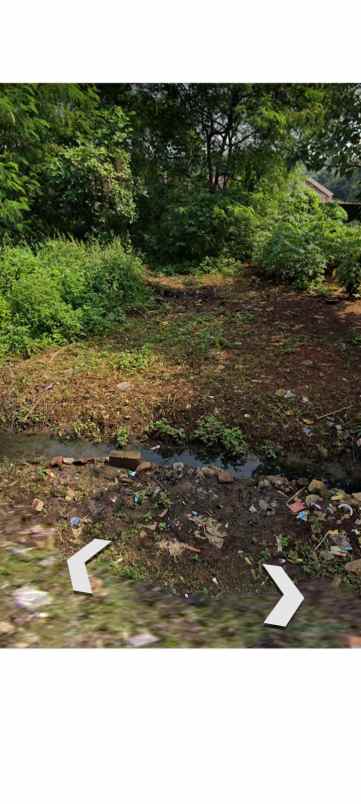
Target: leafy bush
[135, 360]
[214, 433]
[227, 266]
[291, 255]
[85, 191]
[121, 437]
[201, 224]
[297, 235]
[64, 290]
[162, 427]
[348, 269]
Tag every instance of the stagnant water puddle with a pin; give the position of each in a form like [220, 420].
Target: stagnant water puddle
[36, 446]
[21, 446]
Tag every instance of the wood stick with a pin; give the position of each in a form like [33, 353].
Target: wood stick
[332, 413]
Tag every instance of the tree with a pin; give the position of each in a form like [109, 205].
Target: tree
[63, 164]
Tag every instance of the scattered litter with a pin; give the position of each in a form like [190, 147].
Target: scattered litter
[144, 466]
[338, 550]
[142, 640]
[313, 500]
[317, 487]
[48, 562]
[131, 473]
[354, 566]
[68, 461]
[137, 499]
[176, 548]
[353, 641]
[30, 598]
[57, 461]
[308, 431]
[37, 505]
[70, 495]
[6, 629]
[211, 530]
[289, 395]
[75, 521]
[279, 544]
[224, 477]
[253, 509]
[155, 448]
[297, 506]
[346, 507]
[340, 540]
[214, 580]
[303, 516]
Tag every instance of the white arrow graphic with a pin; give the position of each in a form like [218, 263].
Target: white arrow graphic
[284, 610]
[76, 564]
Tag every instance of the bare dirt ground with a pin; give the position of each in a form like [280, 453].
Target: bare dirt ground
[230, 349]
[186, 559]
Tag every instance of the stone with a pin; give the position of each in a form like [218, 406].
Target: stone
[124, 386]
[68, 461]
[125, 458]
[264, 484]
[208, 471]
[313, 499]
[37, 505]
[57, 461]
[318, 487]
[277, 480]
[142, 640]
[224, 476]
[354, 566]
[144, 466]
[27, 597]
[6, 629]
[353, 641]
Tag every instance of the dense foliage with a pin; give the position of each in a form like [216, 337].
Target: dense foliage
[65, 290]
[191, 177]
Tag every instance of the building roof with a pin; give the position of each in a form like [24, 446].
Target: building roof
[319, 188]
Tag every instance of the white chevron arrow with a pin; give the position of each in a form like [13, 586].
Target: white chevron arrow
[284, 610]
[76, 565]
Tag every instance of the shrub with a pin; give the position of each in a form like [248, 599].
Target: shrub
[348, 269]
[36, 302]
[201, 224]
[121, 437]
[212, 433]
[85, 191]
[291, 255]
[65, 290]
[227, 266]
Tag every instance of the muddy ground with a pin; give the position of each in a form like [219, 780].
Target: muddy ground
[185, 565]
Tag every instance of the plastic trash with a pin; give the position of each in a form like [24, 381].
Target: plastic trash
[142, 640]
[30, 598]
[297, 506]
[75, 521]
[346, 507]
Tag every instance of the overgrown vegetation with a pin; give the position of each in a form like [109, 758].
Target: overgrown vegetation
[65, 290]
[189, 178]
[212, 432]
